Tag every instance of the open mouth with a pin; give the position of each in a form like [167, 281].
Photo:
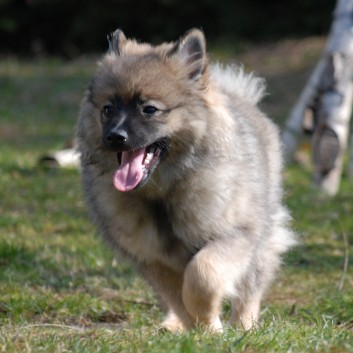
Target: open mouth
[137, 165]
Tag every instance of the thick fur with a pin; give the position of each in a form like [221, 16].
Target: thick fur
[209, 223]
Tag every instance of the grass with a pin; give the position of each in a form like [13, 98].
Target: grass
[61, 290]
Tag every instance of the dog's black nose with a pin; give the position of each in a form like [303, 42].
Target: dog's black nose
[116, 139]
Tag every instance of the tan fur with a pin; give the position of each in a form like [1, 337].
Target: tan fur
[209, 223]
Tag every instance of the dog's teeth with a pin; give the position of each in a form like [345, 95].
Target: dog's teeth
[152, 149]
[148, 158]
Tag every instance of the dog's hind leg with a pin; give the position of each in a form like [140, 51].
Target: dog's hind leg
[246, 306]
[245, 311]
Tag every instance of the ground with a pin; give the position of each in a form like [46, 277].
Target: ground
[61, 290]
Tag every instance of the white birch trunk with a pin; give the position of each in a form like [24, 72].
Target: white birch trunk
[329, 94]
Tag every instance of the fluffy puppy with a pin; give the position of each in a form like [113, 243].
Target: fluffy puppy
[182, 174]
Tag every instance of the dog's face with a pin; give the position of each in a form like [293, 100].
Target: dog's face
[143, 98]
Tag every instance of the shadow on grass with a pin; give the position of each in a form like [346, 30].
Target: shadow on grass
[316, 258]
[27, 267]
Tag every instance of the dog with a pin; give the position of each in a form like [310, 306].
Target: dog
[182, 175]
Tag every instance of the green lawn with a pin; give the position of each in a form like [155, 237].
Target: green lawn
[61, 290]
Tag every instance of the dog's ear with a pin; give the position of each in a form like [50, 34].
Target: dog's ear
[116, 41]
[191, 48]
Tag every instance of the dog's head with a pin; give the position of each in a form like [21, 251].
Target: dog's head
[146, 103]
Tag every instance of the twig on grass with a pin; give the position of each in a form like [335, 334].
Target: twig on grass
[66, 327]
[346, 260]
[136, 302]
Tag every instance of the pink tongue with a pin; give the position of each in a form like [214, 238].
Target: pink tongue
[130, 172]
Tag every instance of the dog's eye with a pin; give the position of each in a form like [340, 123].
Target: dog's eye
[149, 110]
[108, 111]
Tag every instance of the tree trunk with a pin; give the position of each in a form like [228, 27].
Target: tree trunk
[328, 96]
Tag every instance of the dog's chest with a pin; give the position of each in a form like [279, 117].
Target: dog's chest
[148, 233]
[175, 229]
[158, 230]
[169, 232]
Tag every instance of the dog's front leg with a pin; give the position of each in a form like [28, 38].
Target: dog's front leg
[168, 285]
[212, 275]
[203, 290]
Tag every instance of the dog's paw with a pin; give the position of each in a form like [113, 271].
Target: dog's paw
[172, 324]
[214, 327]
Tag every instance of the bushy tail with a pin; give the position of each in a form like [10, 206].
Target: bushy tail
[234, 81]
[283, 237]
